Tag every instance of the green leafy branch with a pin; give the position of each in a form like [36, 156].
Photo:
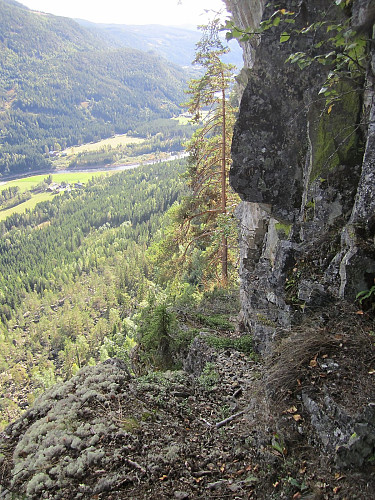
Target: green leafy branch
[243, 35]
[338, 46]
[366, 294]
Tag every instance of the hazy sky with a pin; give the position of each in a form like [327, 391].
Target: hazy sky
[167, 12]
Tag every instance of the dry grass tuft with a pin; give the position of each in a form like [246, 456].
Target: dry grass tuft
[344, 335]
[294, 354]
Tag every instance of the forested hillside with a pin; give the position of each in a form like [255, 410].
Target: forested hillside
[120, 298]
[71, 273]
[61, 85]
[174, 44]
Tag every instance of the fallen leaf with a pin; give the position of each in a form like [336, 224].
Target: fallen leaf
[222, 468]
[323, 375]
[239, 472]
[299, 382]
[292, 409]
[276, 453]
[336, 489]
[371, 372]
[325, 356]
[359, 312]
[313, 363]
[338, 476]
[297, 495]
[163, 477]
[275, 485]
[297, 417]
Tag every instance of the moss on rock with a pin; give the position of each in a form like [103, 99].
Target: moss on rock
[335, 133]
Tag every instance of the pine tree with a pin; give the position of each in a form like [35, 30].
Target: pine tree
[204, 219]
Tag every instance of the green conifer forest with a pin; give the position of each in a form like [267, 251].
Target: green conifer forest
[73, 273]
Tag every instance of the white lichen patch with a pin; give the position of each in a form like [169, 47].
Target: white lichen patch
[61, 436]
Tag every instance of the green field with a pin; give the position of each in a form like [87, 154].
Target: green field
[113, 142]
[29, 204]
[28, 183]
[182, 120]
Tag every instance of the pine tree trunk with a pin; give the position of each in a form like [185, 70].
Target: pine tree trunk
[224, 242]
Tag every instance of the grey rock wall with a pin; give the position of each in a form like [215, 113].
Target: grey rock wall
[307, 220]
[247, 14]
[306, 177]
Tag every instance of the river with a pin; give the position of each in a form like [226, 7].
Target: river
[107, 168]
[102, 168]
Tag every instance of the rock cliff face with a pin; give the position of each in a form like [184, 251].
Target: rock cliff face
[306, 177]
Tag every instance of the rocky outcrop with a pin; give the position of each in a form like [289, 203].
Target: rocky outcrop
[247, 14]
[104, 434]
[306, 178]
[306, 175]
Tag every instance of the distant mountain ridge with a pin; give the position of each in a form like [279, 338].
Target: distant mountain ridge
[175, 44]
[62, 84]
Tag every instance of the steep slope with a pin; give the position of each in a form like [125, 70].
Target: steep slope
[61, 84]
[300, 424]
[206, 432]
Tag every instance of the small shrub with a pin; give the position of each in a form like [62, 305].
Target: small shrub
[243, 344]
[209, 377]
[366, 298]
[148, 416]
[184, 338]
[130, 424]
[157, 336]
[219, 321]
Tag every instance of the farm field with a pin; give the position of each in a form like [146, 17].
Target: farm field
[113, 142]
[28, 183]
[29, 204]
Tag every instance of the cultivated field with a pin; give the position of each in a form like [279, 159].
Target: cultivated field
[29, 183]
[113, 142]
